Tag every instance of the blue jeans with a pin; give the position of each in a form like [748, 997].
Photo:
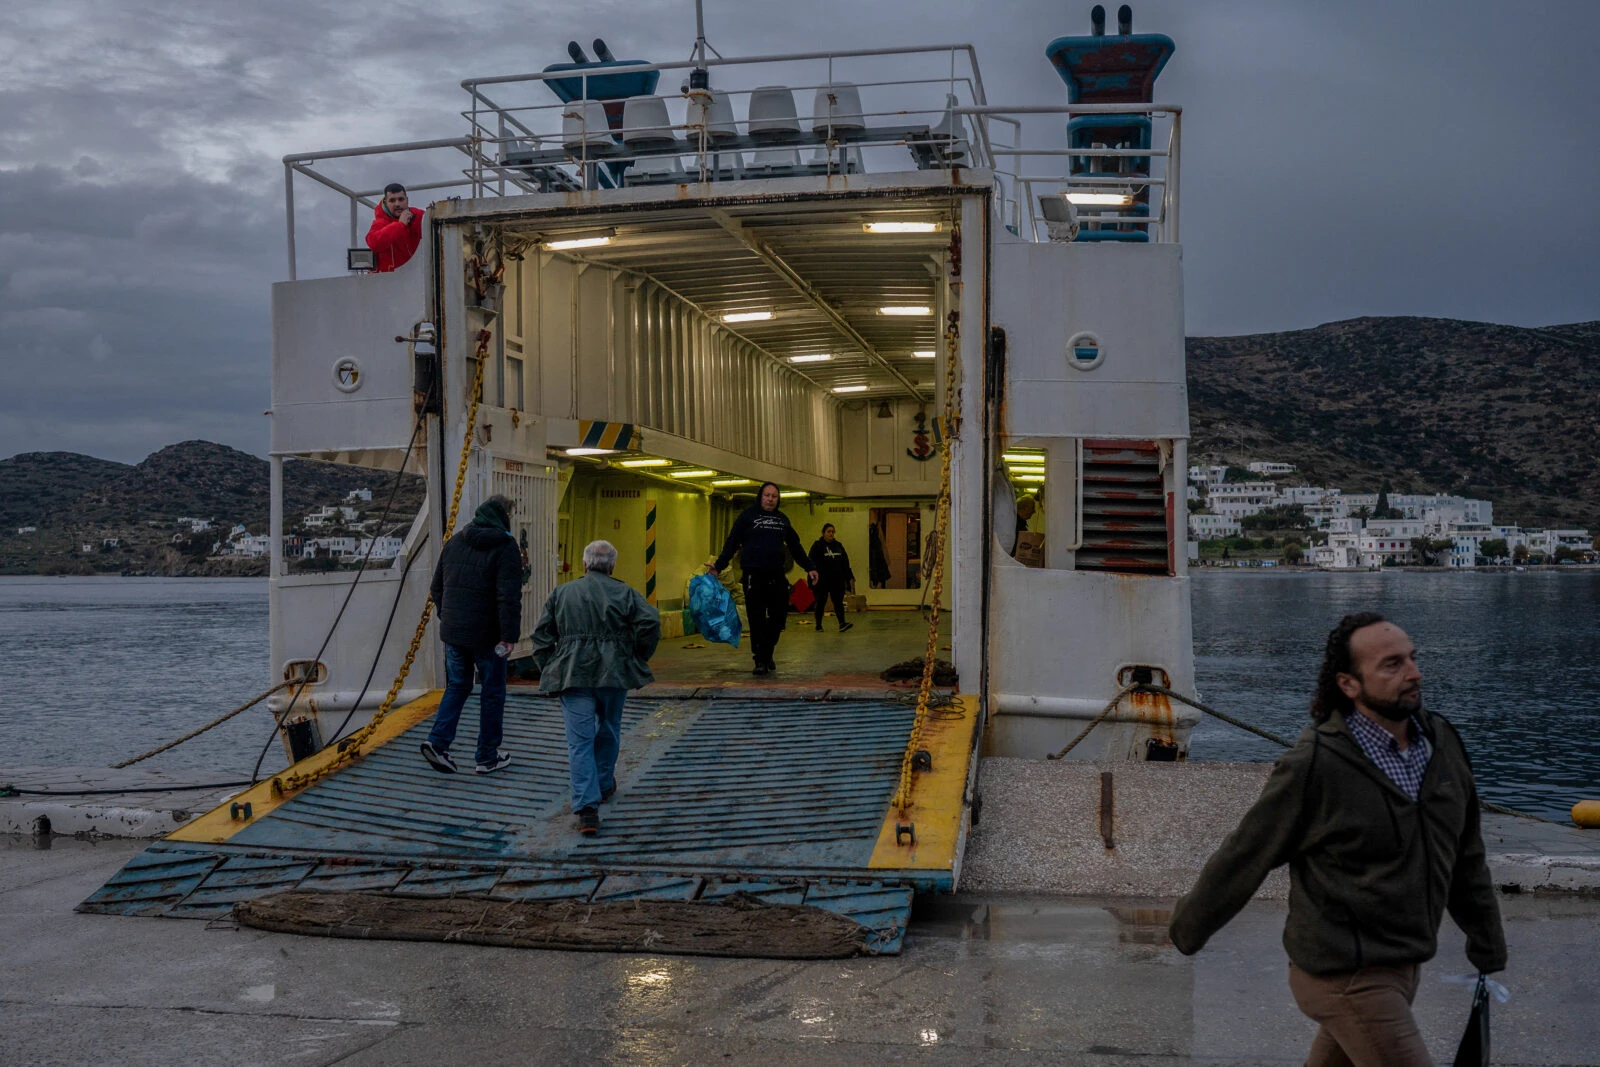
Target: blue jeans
[594, 736]
[458, 664]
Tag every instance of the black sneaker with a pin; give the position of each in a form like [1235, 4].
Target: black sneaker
[759, 668]
[438, 758]
[772, 667]
[589, 821]
[501, 759]
[843, 626]
[608, 794]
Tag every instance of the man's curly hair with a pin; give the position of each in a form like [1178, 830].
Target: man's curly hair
[1336, 661]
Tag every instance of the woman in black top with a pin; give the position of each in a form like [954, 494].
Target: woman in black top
[834, 576]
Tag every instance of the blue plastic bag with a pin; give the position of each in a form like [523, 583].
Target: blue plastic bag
[715, 614]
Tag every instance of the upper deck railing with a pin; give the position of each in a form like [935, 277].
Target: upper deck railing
[871, 110]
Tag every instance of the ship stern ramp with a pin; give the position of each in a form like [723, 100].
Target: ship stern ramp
[788, 801]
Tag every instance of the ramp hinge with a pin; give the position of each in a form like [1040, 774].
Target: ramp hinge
[904, 830]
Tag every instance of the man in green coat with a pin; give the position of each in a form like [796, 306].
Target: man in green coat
[1376, 814]
[592, 645]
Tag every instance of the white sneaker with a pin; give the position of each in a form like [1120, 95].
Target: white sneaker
[501, 759]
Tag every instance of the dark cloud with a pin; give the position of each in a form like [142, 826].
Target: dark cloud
[1340, 160]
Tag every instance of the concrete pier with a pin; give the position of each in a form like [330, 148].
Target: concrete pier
[988, 979]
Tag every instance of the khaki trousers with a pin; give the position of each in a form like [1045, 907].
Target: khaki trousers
[1366, 1017]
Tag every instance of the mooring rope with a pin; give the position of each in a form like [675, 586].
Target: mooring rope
[246, 706]
[1149, 687]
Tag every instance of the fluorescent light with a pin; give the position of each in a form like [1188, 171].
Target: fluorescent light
[925, 353]
[747, 316]
[792, 493]
[1034, 465]
[906, 309]
[588, 241]
[1101, 199]
[692, 474]
[901, 227]
[733, 481]
[592, 451]
[850, 388]
[822, 357]
[1025, 457]
[1035, 478]
[646, 463]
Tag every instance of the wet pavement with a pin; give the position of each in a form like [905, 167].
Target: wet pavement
[997, 980]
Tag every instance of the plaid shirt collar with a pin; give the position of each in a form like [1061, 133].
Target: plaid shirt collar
[1404, 769]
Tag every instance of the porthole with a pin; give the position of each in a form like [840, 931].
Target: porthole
[1084, 351]
[347, 375]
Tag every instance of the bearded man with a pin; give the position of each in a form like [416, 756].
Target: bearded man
[1376, 814]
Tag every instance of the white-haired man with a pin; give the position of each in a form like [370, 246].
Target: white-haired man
[592, 645]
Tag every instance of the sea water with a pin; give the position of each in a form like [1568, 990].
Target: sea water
[98, 669]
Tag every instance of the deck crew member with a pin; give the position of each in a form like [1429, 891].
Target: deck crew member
[592, 645]
[834, 576]
[759, 535]
[1376, 814]
[1026, 506]
[396, 228]
[477, 588]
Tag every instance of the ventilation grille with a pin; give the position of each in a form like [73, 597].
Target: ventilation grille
[1124, 510]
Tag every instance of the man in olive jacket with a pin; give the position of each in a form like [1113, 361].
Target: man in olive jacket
[592, 645]
[1376, 814]
[477, 589]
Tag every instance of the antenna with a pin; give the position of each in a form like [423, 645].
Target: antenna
[699, 77]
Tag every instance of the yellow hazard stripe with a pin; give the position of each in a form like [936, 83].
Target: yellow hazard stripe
[218, 825]
[939, 802]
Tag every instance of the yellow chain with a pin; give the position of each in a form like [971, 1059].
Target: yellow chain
[951, 431]
[350, 748]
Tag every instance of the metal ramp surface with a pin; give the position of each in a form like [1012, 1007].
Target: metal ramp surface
[787, 800]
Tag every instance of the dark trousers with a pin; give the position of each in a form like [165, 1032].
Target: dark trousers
[766, 601]
[824, 592]
[458, 665]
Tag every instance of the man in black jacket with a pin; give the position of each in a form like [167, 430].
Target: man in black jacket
[764, 532]
[833, 565]
[1376, 814]
[477, 589]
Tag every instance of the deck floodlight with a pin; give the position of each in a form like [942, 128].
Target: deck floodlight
[588, 240]
[364, 260]
[816, 357]
[924, 353]
[850, 388]
[693, 474]
[906, 309]
[1085, 199]
[901, 227]
[747, 316]
[645, 463]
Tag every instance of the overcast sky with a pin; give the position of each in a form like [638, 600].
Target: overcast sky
[1360, 158]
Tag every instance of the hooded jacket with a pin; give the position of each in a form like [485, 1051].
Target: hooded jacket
[595, 632]
[394, 243]
[1371, 871]
[832, 563]
[760, 537]
[477, 586]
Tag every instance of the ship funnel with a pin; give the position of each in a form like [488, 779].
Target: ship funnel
[1097, 21]
[575, 50]
[1125, 20]
[602, 53]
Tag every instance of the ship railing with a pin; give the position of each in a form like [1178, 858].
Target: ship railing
[1137, 188]
[553, 142]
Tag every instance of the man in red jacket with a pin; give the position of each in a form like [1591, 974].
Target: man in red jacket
[396, 228]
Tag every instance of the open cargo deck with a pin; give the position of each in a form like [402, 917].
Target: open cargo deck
[785, 799]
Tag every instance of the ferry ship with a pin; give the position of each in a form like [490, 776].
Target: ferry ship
[643, 289]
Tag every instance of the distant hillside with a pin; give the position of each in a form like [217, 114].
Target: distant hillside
[1500, 412]
[76, 500]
